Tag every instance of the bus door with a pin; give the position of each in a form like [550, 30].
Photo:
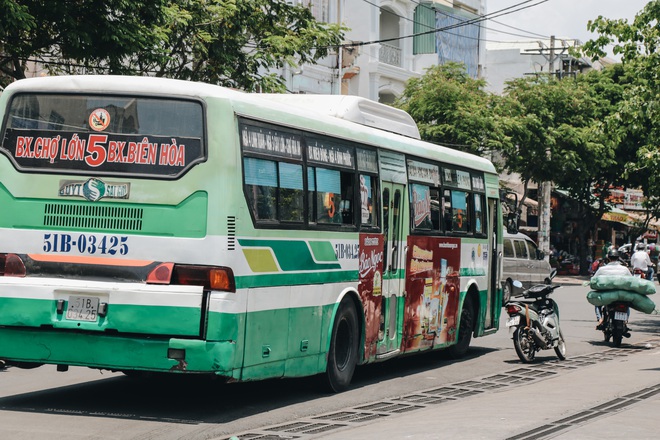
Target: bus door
[494, 269]
[389, 336]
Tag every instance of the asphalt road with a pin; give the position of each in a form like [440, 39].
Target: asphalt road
[84, 404]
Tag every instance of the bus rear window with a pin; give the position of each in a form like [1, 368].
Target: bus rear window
[111, 135]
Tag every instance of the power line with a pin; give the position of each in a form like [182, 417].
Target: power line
[425, 6]
[518, 29]
[480, 19]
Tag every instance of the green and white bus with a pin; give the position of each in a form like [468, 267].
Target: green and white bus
[156, 225]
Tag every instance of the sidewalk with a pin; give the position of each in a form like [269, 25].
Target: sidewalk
[568, 280]
[612, 398]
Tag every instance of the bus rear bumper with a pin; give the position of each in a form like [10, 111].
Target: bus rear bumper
[121, 353]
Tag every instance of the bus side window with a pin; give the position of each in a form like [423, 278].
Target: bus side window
[435, 209]
[446, 210]
[291, 200]
[347, 196]
[334, 197]
[460, 211]
[311, 194]
[368, 201]
[261, 187]
[480, 226]
[421, 206]
[328, 196]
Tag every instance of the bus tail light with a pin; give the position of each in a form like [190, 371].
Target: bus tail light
[162, 274]
[211, 277]
[11, 265]
[222, 279]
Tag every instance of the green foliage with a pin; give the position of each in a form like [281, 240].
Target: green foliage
[83, 31]
[450, 108]
[232, 42]
[636, 122]
[570, 132]
[227, 42]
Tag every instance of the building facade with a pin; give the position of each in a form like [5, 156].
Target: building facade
[389, 42]
[516, 59]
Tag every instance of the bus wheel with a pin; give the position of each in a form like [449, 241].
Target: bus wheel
[465, 329]
[343, 354]
[506, 292]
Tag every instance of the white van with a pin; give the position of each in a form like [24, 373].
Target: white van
[523, 261]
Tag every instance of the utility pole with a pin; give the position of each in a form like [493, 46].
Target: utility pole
[546, 187]
[340, 49]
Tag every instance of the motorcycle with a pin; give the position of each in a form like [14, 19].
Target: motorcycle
[614, 325]
[534, 322]
[638, 273]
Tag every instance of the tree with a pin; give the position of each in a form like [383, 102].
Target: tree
[549, 124]
[567, 131]
[228, 42]
[235, 43]
[450, 108]
[637, 120]
[87, 32]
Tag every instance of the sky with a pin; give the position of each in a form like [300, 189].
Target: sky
[561, 18]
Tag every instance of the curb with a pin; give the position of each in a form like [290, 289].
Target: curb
[570, 281]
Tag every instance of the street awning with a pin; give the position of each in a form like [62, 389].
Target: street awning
[616, 215]
[638, 218]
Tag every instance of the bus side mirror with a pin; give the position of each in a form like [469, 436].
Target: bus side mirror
[513, 217]
[512, 222]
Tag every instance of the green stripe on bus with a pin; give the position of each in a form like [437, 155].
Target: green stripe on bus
[291, 254]
[472, 272]
[283, 279]
[323, 251]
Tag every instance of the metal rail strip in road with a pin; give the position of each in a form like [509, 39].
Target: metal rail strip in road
[308, 427]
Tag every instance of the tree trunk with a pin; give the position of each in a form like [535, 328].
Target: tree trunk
[584, 233]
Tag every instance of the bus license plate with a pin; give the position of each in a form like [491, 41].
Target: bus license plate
[514, 320]
[620, 316]
[82, 308]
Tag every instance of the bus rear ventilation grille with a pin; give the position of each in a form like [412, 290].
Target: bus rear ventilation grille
[93, 217]
[231, 233]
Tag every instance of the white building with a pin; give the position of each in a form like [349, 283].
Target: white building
[515, 59]
[390, 41]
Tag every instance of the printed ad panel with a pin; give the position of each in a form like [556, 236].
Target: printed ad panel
[370, 287]
[432, 288]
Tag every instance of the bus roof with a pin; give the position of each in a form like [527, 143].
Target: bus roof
[355, 109]
[367, 120]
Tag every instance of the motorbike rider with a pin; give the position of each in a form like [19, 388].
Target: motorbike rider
[641, 260]
[613, 267]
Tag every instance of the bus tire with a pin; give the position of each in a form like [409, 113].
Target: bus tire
[343, 353]
[507, 291]
[465, 329]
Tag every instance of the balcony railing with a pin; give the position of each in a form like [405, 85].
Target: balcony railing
[390, 55]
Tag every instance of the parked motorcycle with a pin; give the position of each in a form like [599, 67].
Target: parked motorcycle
[614, 325]
[534, 322]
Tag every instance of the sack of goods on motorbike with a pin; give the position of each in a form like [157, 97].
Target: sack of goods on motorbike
[534, 323]
[614, 295]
